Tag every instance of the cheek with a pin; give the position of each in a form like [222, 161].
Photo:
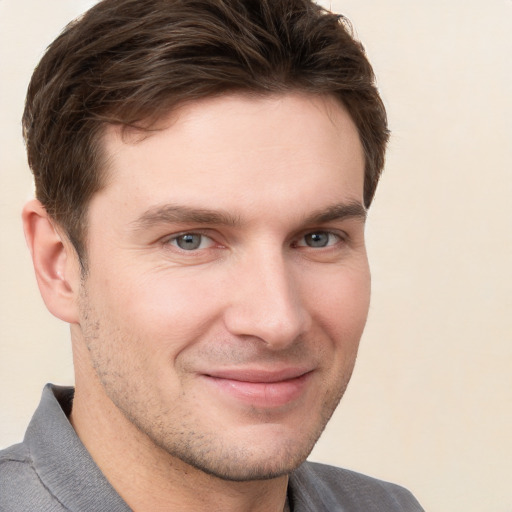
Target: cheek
[158, 308]
[341, 306]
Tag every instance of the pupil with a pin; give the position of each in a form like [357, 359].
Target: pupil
[317, 239]
[189, 242]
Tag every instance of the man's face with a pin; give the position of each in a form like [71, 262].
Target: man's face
[228, 283]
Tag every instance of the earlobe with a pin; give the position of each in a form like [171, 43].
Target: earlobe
[55, 262]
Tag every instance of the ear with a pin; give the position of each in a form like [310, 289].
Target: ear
[55, 262]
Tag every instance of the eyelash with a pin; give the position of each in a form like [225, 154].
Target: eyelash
[331, 235]
[339, 237]
[169, 240]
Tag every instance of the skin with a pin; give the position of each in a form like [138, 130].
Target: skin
[227, 289]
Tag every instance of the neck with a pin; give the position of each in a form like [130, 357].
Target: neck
[151, 480]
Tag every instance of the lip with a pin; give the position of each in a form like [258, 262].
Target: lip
[260, 388]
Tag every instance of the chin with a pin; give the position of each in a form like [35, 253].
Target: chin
[239, 469]
[260, 455]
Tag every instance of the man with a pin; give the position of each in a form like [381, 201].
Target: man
[203, 170]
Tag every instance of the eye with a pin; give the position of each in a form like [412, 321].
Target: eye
[191, 241]
[319, 239]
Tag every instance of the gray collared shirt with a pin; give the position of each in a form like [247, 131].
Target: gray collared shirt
[51, 471]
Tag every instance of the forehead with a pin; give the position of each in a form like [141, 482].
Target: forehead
[212, 149]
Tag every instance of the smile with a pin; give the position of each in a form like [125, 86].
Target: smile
[261, 389]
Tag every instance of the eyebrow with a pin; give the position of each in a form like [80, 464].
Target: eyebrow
[171, 213]
[353, 209]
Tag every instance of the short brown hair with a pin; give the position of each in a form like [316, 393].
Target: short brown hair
[129, 61]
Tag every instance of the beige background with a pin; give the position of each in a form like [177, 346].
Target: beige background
[430, 404]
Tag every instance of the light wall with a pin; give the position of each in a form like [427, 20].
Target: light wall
[430, 404]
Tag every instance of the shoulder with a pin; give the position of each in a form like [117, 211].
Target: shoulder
[21, 490]
[317, 487]
[15, 463]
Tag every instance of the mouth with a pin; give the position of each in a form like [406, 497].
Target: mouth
[261, 388]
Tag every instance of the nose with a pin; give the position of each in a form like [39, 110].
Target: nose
[266, 302]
